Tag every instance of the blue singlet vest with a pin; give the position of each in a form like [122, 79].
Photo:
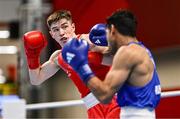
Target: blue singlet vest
[140, 97]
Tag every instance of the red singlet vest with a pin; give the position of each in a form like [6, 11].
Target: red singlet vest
[95, 60]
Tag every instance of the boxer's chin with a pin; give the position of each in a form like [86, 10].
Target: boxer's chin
[64, 42]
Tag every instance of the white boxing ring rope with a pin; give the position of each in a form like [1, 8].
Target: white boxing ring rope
[170, 94]
[80, 102]
[20, 106]
[54, 104]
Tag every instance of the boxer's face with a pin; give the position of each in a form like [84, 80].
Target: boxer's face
[62, 30]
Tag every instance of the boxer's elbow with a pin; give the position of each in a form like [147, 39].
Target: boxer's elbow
[37, 79]
[105, 96]
[105, 99]
[102, 92]
[35, 82]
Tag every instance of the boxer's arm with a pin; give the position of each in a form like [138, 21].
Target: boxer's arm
[45, 71]
[75, 53]
[115, 78]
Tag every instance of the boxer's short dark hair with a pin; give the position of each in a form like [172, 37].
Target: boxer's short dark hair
[124, 21]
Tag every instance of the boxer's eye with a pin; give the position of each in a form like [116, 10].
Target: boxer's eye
[64, 27]
[55, 30]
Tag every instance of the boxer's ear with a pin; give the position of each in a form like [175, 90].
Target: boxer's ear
[113, 29]
[73, 26]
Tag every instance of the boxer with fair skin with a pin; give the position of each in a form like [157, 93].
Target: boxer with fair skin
[62, 28]
[133, 74]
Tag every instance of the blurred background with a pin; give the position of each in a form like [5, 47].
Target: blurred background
[158, 28]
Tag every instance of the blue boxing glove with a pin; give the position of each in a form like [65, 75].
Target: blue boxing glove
[97, 35]
[75, 53]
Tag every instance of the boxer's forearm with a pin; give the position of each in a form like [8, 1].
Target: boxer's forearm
[100, 89]
[44, 72]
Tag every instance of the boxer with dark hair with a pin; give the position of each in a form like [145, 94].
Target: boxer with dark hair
[133, 74]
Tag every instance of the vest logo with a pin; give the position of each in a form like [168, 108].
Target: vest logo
[157, 89]
[97, 41]
[69, 56]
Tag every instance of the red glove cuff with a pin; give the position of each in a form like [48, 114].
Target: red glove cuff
[33, 63]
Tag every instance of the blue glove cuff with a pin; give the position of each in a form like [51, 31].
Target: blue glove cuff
[85, 73]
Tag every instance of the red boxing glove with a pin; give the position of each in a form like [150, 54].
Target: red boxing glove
[34, 42]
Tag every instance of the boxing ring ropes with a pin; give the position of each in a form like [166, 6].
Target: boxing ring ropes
[21, 106]
[80, 102]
